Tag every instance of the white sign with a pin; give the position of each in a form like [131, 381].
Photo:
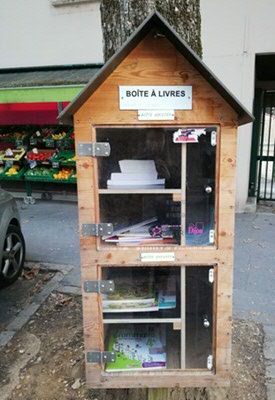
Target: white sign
[155, 97]
[153, 115]
[156, 257]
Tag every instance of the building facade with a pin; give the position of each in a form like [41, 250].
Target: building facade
[67, 33]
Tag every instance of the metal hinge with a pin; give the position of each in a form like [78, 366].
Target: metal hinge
[211, 275]
[211, 236]
[94, 149]
[99, 286]
[210, 362]
[213, 138]
[101, 357]
[104, 229]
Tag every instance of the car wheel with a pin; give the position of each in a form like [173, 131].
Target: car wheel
[13, 256]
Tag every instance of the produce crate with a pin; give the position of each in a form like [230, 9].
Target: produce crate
[16, 155]
[2, 172]
[62, 158]
[34, 175]
[15, 177]
[31, 176]
[31, 156]
[70, 178]
[17, 135]
[44, 133]
[60, 138]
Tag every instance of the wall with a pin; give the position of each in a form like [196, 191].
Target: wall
[35, 33]
[232, 33]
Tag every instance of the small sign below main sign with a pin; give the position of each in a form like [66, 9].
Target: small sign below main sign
[154, 115]
[157, 257]
[155, 97]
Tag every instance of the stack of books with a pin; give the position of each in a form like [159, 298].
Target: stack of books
[138, 294]
[136, 174]
[138, 235]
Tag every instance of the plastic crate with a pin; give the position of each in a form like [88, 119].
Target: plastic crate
[62, 157]
[15, 177]
[39, 177]
[48, 152]
[17, 155]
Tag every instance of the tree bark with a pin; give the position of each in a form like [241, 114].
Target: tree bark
[119, 18]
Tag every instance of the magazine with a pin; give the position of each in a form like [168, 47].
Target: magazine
[137, 348]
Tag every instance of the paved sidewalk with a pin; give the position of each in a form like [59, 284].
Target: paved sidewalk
[52, 236]
[254, 280]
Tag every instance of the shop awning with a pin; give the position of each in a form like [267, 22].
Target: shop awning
[44, 83]
[37, 95]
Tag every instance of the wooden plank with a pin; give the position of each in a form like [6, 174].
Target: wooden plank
[150, 68]
[157, 380]
[131, 256]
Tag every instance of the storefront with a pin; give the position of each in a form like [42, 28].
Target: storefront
[37, 154]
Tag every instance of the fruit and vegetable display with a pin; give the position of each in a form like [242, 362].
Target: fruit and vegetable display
[13, 170]
[59, 136]
[46, 155]
[40, 172]
[13, 135]
[4, 135]
[39, 155]
[64, 157]
[13, 154]
[64, 173]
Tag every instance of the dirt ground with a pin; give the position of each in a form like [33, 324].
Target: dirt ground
[45, 360]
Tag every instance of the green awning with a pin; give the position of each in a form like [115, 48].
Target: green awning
[39, 94]
[44, 84]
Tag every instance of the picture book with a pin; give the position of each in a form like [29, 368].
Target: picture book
[137, 347]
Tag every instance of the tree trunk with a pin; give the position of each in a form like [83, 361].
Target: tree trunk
[119, 18]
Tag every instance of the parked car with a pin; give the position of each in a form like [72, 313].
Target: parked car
[12, 243]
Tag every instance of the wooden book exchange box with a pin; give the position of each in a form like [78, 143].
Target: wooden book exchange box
[156, 136]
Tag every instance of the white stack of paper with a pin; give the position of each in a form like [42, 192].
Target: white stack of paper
[136, 174]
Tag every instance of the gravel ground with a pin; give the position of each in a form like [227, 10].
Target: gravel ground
[45, 360]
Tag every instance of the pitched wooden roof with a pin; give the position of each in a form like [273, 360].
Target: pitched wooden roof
[155, 20]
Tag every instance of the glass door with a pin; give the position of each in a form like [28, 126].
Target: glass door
[157, 187]
[158, 318]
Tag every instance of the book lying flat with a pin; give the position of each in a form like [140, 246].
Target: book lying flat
[140, 174]
[132, 228]
[137, 348]
[138, 235]
[140, 293]
[130, 184]
[133, 177]
[131, 294]
[142, 166]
